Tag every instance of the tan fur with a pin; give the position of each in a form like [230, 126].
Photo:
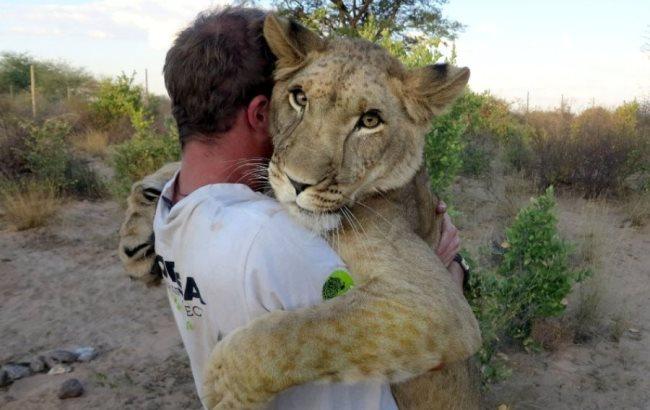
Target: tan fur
[136, 247]
[367, 192]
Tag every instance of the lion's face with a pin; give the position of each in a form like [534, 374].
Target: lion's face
[347, 121]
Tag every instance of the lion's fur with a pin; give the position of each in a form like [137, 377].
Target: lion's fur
[136, 247]
[405, 316]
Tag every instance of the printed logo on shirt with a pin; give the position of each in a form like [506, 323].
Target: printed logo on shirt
[338, 283]
[185, 294]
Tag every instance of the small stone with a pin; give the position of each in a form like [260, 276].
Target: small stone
[60, 369]
[71, 388]
[16, 371]
[5, 380]
[37, 364]
[85, 354]
[59, 356]
[634, 334]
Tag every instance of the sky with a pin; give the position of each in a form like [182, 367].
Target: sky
[583, 51]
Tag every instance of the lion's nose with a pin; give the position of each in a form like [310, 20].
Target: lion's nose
[298, 186]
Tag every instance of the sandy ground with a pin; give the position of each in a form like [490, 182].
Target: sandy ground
[63, 287]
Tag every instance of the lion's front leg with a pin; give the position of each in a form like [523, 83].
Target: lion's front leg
[377, 331]
[245, 369]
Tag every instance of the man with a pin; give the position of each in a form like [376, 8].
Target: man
[228, 253]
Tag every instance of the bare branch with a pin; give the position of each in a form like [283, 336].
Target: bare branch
[344, 13]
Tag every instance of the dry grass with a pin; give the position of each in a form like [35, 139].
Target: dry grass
[637, 208]
[591, 250]
[592, 236]
[28, 204]
[92, 142]
[619, 323]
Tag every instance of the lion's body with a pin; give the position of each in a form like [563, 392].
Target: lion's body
[366, 191]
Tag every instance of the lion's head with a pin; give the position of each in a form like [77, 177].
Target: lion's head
[348, 120]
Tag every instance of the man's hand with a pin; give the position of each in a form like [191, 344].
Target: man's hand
[449, 244]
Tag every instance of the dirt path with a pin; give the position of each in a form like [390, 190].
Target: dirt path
[63, 287]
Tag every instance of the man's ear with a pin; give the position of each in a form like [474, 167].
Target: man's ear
[429, 90]
[257, 113]
[290, 41]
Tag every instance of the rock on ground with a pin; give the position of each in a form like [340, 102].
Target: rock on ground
[71, 388]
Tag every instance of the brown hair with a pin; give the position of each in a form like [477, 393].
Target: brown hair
[216, 66]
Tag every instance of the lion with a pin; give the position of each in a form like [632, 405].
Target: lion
[348, 123]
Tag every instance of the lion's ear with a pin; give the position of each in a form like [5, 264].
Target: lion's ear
[429, 90]
[290, 41]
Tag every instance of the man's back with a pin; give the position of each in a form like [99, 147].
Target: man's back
[229, 255]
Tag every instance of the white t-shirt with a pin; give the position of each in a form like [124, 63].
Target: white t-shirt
[230, 255]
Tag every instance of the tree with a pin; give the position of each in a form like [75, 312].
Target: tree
[53, 79]
[14, 71]
[405, 20]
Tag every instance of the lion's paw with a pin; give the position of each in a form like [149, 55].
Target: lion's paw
[136, 247]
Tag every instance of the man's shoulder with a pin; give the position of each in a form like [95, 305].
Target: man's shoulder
[232, 218]
[228, 204]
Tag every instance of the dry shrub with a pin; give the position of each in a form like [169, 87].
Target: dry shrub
[591, 250]
[28, 204]
[551, 333]
[592, 236]
[13, 138]
[637, 208]
[92, 142]
[592, 152]
[619, 323]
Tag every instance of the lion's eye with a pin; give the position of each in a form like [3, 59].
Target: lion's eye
[370, 119]
[298, 98]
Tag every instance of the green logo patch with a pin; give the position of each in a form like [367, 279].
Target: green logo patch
[338, 283]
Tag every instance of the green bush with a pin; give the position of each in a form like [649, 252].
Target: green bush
[475, 159]
[519, 154]
[465, 138]
[41, 153]
[535, 268]
[47, 154]
[82, 181]
[140, 156]
[531, 282]
[13, 135]
[443, 148]
[120, 101]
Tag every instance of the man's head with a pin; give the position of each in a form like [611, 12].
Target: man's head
[215, 69]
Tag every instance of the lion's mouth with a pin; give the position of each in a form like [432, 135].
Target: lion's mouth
[318, 221]
[316, 213]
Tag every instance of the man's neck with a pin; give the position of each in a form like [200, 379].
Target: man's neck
[206, 163]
